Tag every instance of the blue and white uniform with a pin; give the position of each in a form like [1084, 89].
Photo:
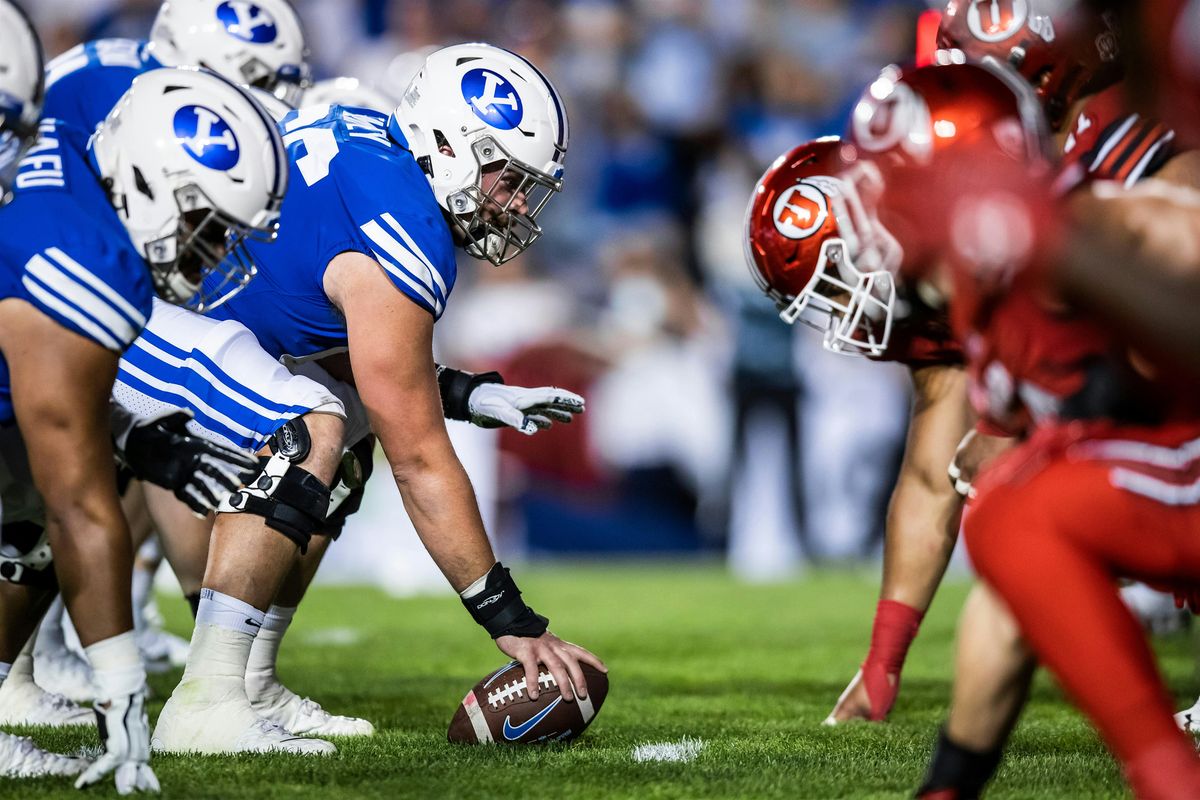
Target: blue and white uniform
[84, 83]
[64, 250]
[353, 186]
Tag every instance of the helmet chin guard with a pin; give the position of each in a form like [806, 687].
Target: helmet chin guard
[491, 133]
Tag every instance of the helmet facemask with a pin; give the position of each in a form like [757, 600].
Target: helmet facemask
[500, 222]
[851, 297]
[204, 261]
[288, 83]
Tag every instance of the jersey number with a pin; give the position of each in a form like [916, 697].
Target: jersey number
[320, 146]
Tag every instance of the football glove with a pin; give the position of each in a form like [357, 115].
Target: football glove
[201, 473]
[494, 405]
[125, 732]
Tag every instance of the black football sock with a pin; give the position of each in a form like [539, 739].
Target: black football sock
[956, 773]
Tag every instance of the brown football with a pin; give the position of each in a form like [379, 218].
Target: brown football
[498, 709]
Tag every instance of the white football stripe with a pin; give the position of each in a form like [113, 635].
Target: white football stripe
[474, 713]
[408, 240]
[399, 254]
[70, 289]
[95, 331]
[100, 286]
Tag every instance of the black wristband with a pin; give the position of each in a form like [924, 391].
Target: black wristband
[456, 386]
[500, 609]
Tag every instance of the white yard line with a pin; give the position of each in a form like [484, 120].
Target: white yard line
[686, 749]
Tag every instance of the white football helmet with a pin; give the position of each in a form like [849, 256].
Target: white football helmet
[276, 109]
[254, 42]
[194, 167]
[21, 91]
[475, 109]
[346, 91]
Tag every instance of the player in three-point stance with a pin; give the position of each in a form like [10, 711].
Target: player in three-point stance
[364, 266]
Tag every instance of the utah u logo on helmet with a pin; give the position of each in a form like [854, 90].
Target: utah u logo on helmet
[800, 211]
[247, 21]
[206, 137]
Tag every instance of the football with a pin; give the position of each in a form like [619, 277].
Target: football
[498, 709]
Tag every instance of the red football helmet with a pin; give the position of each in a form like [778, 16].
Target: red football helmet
[923, 129]
[1061, 47]
[813, 250]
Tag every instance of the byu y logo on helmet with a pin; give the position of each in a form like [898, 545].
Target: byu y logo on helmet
[206, 137]
[493, 99]
[248, 22]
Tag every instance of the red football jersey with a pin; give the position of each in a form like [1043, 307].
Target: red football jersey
[1030, 357]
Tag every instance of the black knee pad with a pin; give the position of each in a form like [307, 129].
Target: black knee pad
[289, 498]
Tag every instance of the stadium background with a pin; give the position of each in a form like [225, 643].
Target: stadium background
[713, 432]
[711, 427]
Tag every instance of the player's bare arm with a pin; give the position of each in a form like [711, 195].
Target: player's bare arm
[61, 384]
[392, 358]
[922, 527]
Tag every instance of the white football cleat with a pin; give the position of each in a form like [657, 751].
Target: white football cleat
[21, 758]
[63, 671]
[23, 702]
[213, 715]
[1188, 720]
[304, 717]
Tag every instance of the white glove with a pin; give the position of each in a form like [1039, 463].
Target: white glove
[125, 732]
[494, 405]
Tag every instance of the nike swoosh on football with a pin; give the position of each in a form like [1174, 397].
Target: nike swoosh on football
[512, 734]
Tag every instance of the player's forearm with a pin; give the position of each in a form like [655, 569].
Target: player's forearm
[922, 528]
[441, 503]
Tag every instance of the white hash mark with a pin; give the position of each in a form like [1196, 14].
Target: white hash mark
[686, 749]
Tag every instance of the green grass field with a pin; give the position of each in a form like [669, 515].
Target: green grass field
[751, 671]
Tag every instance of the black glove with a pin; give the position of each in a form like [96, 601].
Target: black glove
[200, 473]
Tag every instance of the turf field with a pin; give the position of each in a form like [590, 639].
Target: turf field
[749, 671]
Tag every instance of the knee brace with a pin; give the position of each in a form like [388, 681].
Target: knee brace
[291, 499]
[347, 494]
[25, 556]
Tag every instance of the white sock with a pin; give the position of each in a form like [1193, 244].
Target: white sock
[51, 631]
[142, 583]
[117, 665]
[22, 668]
[228, 612]
[260, 671]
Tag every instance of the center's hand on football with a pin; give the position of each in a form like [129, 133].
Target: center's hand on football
[559, 657]
[494, 405]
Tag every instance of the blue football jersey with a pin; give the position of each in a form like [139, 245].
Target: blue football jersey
[352, 186]
[64, 250]
[84, 83]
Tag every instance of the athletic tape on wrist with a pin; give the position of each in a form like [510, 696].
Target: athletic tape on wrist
[500, 609]
[455, 387]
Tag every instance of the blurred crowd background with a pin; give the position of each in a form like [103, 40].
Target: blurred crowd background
[711, 427]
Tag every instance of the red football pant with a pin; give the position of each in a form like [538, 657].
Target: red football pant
[1052, 546]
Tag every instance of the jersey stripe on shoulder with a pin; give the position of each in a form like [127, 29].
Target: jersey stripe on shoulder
[405, 266]
[70, 290]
